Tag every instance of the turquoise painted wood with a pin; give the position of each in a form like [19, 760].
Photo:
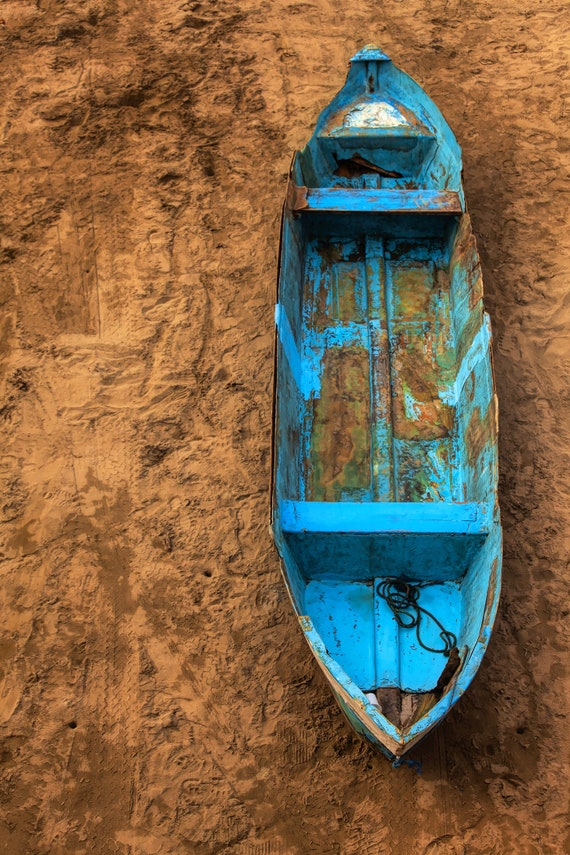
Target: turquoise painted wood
[384, 505]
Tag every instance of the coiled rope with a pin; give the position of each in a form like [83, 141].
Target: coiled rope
[402, 597]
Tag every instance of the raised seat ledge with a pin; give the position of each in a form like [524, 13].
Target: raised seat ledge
[395, 201]
[469, 518]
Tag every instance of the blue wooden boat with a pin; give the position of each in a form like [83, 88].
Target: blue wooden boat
[384, 507]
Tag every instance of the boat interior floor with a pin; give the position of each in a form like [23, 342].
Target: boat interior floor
[359, 629]
[378, 371]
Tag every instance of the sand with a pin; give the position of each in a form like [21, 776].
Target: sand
[156, 695]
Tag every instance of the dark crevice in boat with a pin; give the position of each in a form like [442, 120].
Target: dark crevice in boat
[452, 666]
[356, 166]
[403, 708]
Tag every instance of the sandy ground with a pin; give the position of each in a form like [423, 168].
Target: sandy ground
[156, 696]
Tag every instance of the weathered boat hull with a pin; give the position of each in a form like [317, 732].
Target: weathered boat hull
[385, 508]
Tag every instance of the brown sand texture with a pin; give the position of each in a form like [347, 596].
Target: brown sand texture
[156, 694]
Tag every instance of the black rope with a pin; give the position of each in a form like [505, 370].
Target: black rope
[402, 597]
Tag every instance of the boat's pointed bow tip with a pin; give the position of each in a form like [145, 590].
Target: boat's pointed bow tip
[370, 53]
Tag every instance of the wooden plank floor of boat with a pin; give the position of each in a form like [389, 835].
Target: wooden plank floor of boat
[379, 367]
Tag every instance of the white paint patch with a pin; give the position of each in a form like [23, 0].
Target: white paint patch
[378, 114]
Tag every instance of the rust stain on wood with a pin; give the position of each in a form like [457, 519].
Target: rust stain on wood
[423, 359]
[490, 595]
[480, 431]
[340, 292]
[466, 257]
[340, 442]
[417, 472]
[413, 287]
[341, 297]
[418, 410]
[296, 197]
